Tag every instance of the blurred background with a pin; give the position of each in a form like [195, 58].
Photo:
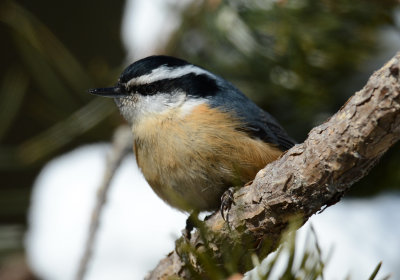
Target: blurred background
[298, 59]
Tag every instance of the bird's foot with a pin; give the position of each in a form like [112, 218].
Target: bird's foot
[191, 222]
[226, 203]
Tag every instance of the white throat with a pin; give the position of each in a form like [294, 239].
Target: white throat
[137, 108]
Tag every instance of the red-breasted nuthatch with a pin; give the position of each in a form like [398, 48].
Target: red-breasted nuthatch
[195, 134]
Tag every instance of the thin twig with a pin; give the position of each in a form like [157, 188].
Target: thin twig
[122, 144]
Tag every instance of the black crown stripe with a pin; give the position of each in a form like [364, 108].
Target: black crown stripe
[147, 65]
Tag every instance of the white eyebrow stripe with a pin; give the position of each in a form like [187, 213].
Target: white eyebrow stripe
[164, 72]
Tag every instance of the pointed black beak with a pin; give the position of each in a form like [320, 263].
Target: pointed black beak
[113, 92]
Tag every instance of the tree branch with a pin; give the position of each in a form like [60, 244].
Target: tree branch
[310, 176]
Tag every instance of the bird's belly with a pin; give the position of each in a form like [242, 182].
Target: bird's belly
[181, 178]
[189, 162]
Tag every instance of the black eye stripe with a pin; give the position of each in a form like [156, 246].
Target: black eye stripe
[148, 89]
[194, 85]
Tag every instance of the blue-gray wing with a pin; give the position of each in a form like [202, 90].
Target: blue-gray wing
[256, 122]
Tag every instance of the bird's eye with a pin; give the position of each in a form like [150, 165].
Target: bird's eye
[150, 89]
[147, 89]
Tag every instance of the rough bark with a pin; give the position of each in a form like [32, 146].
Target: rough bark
[307, 178]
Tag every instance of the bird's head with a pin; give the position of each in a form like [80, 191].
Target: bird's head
[156, 84]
